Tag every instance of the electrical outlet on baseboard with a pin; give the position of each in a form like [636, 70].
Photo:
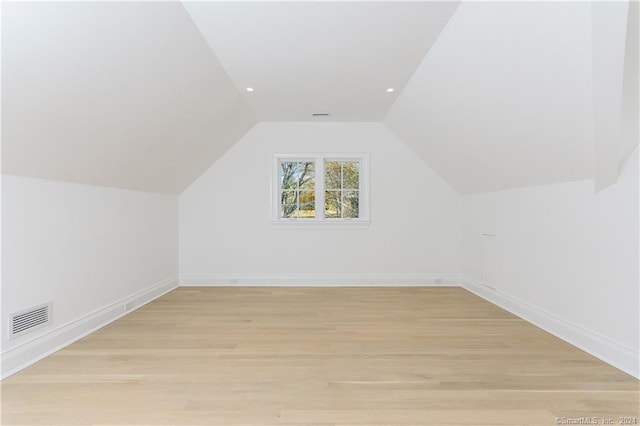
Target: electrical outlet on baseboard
[234, 281]
[128, 306]
[438, 281]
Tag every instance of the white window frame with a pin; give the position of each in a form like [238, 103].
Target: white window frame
[364, 208]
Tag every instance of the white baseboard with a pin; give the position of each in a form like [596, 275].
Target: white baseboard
[408, 280]
[30, 351]
[612, 352]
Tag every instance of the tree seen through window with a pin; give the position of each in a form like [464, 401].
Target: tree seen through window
[342, 189]
[297, 184]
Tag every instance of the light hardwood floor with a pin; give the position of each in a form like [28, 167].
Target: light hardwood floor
[318, 356]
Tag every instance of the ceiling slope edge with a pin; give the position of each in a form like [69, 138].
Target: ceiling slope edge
[609, 34]
[400, 139]
[346, 61]
[497, 104]
[630, 131]
[123, 95]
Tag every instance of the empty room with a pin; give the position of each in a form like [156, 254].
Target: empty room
[320, 213]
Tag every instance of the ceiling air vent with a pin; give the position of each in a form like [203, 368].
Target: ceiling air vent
[30, 319]
[320, 114]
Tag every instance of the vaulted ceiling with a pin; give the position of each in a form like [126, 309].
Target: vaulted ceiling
[324, 57]
[121, 94]
[504, 97]
[147, 95]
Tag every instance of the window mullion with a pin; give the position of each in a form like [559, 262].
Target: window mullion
[341, 189]
[319, 188]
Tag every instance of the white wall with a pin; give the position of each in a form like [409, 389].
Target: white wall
[87, 249]
[225, 216]
[564, 258]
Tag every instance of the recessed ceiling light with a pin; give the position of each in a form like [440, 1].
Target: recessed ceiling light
[249, 89]
[390, 89]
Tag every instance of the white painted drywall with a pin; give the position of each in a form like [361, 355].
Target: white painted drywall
[225, 215]
[120, 94]
[82, 247]
[565, 252]
[608, 36]
[630, 118]
[503, 98]
[336, 56]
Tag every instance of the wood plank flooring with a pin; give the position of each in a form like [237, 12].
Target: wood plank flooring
[319, 356]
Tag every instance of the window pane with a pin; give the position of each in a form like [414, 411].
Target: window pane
[332, 175]
[332, 204]
[339, 183]
[307, 204]
[351, 204]
[297, 174]
[351, 175]
[288, 204]
[286, 175]
[306, 172]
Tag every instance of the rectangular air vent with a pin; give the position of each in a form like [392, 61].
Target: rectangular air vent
[30, 319]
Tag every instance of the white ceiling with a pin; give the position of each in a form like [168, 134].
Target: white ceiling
[504, 98]
[147, 95]
[320, 57]
[122, 94]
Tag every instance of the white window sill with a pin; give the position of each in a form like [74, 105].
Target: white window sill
[320, 224]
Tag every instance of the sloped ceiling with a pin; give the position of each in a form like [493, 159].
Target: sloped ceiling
[147, 95]
[511, 93]
[121, 94]
[320, 57]
[503, 99]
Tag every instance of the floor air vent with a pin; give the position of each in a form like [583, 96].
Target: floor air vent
[30, 319]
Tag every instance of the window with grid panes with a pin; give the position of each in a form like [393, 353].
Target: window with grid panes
[321, 188]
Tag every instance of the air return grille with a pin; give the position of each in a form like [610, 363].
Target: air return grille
[30, 319]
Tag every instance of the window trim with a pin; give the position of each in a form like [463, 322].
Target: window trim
[321, 222]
